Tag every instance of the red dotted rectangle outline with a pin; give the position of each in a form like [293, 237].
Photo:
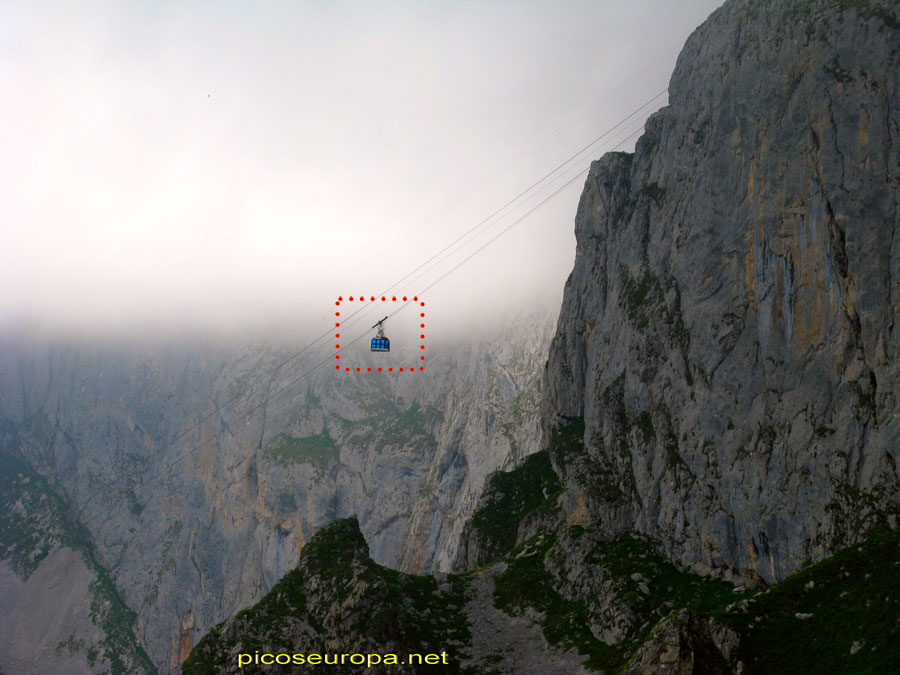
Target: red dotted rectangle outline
[391, 369]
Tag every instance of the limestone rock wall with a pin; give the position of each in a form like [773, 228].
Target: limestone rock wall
[729, 332]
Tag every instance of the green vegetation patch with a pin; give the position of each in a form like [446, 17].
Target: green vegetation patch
[526, 585]
[642, 296]
[333, 548]
[29, 521]
[841, 615]
[508, 498]
[526, 402]
[567, 440]
[859, 513]
[654, 192]
[642, 580]
[117, 620]
[399, 425]
[394, 423]
[652, 587]
[429, 616]
[318, 449]
[70, 645]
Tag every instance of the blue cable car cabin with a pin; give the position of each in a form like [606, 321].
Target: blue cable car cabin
[380, 343]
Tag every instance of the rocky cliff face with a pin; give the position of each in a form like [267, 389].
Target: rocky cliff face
[189, 527]
[729, 332]
[492, 401]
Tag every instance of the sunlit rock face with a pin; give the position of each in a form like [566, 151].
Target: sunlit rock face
[196, 513]
[729, 330]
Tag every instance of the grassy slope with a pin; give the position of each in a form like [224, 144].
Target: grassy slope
[508, 498]
[813, 620]
[317, 449]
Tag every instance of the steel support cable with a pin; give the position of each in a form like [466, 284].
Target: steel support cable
[533, 185]
[506, 229]
[350, 320]
[519, 220]
[482, 222]
[568, 182]
[477, 186]
[458, 249]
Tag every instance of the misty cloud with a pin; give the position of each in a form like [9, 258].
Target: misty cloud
[197, 165]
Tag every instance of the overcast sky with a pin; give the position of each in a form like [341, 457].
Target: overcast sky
[219, 164]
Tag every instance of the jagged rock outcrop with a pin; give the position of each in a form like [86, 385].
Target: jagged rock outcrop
[729, 332]
[337, 601]
[686, 643]
[509, 499]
